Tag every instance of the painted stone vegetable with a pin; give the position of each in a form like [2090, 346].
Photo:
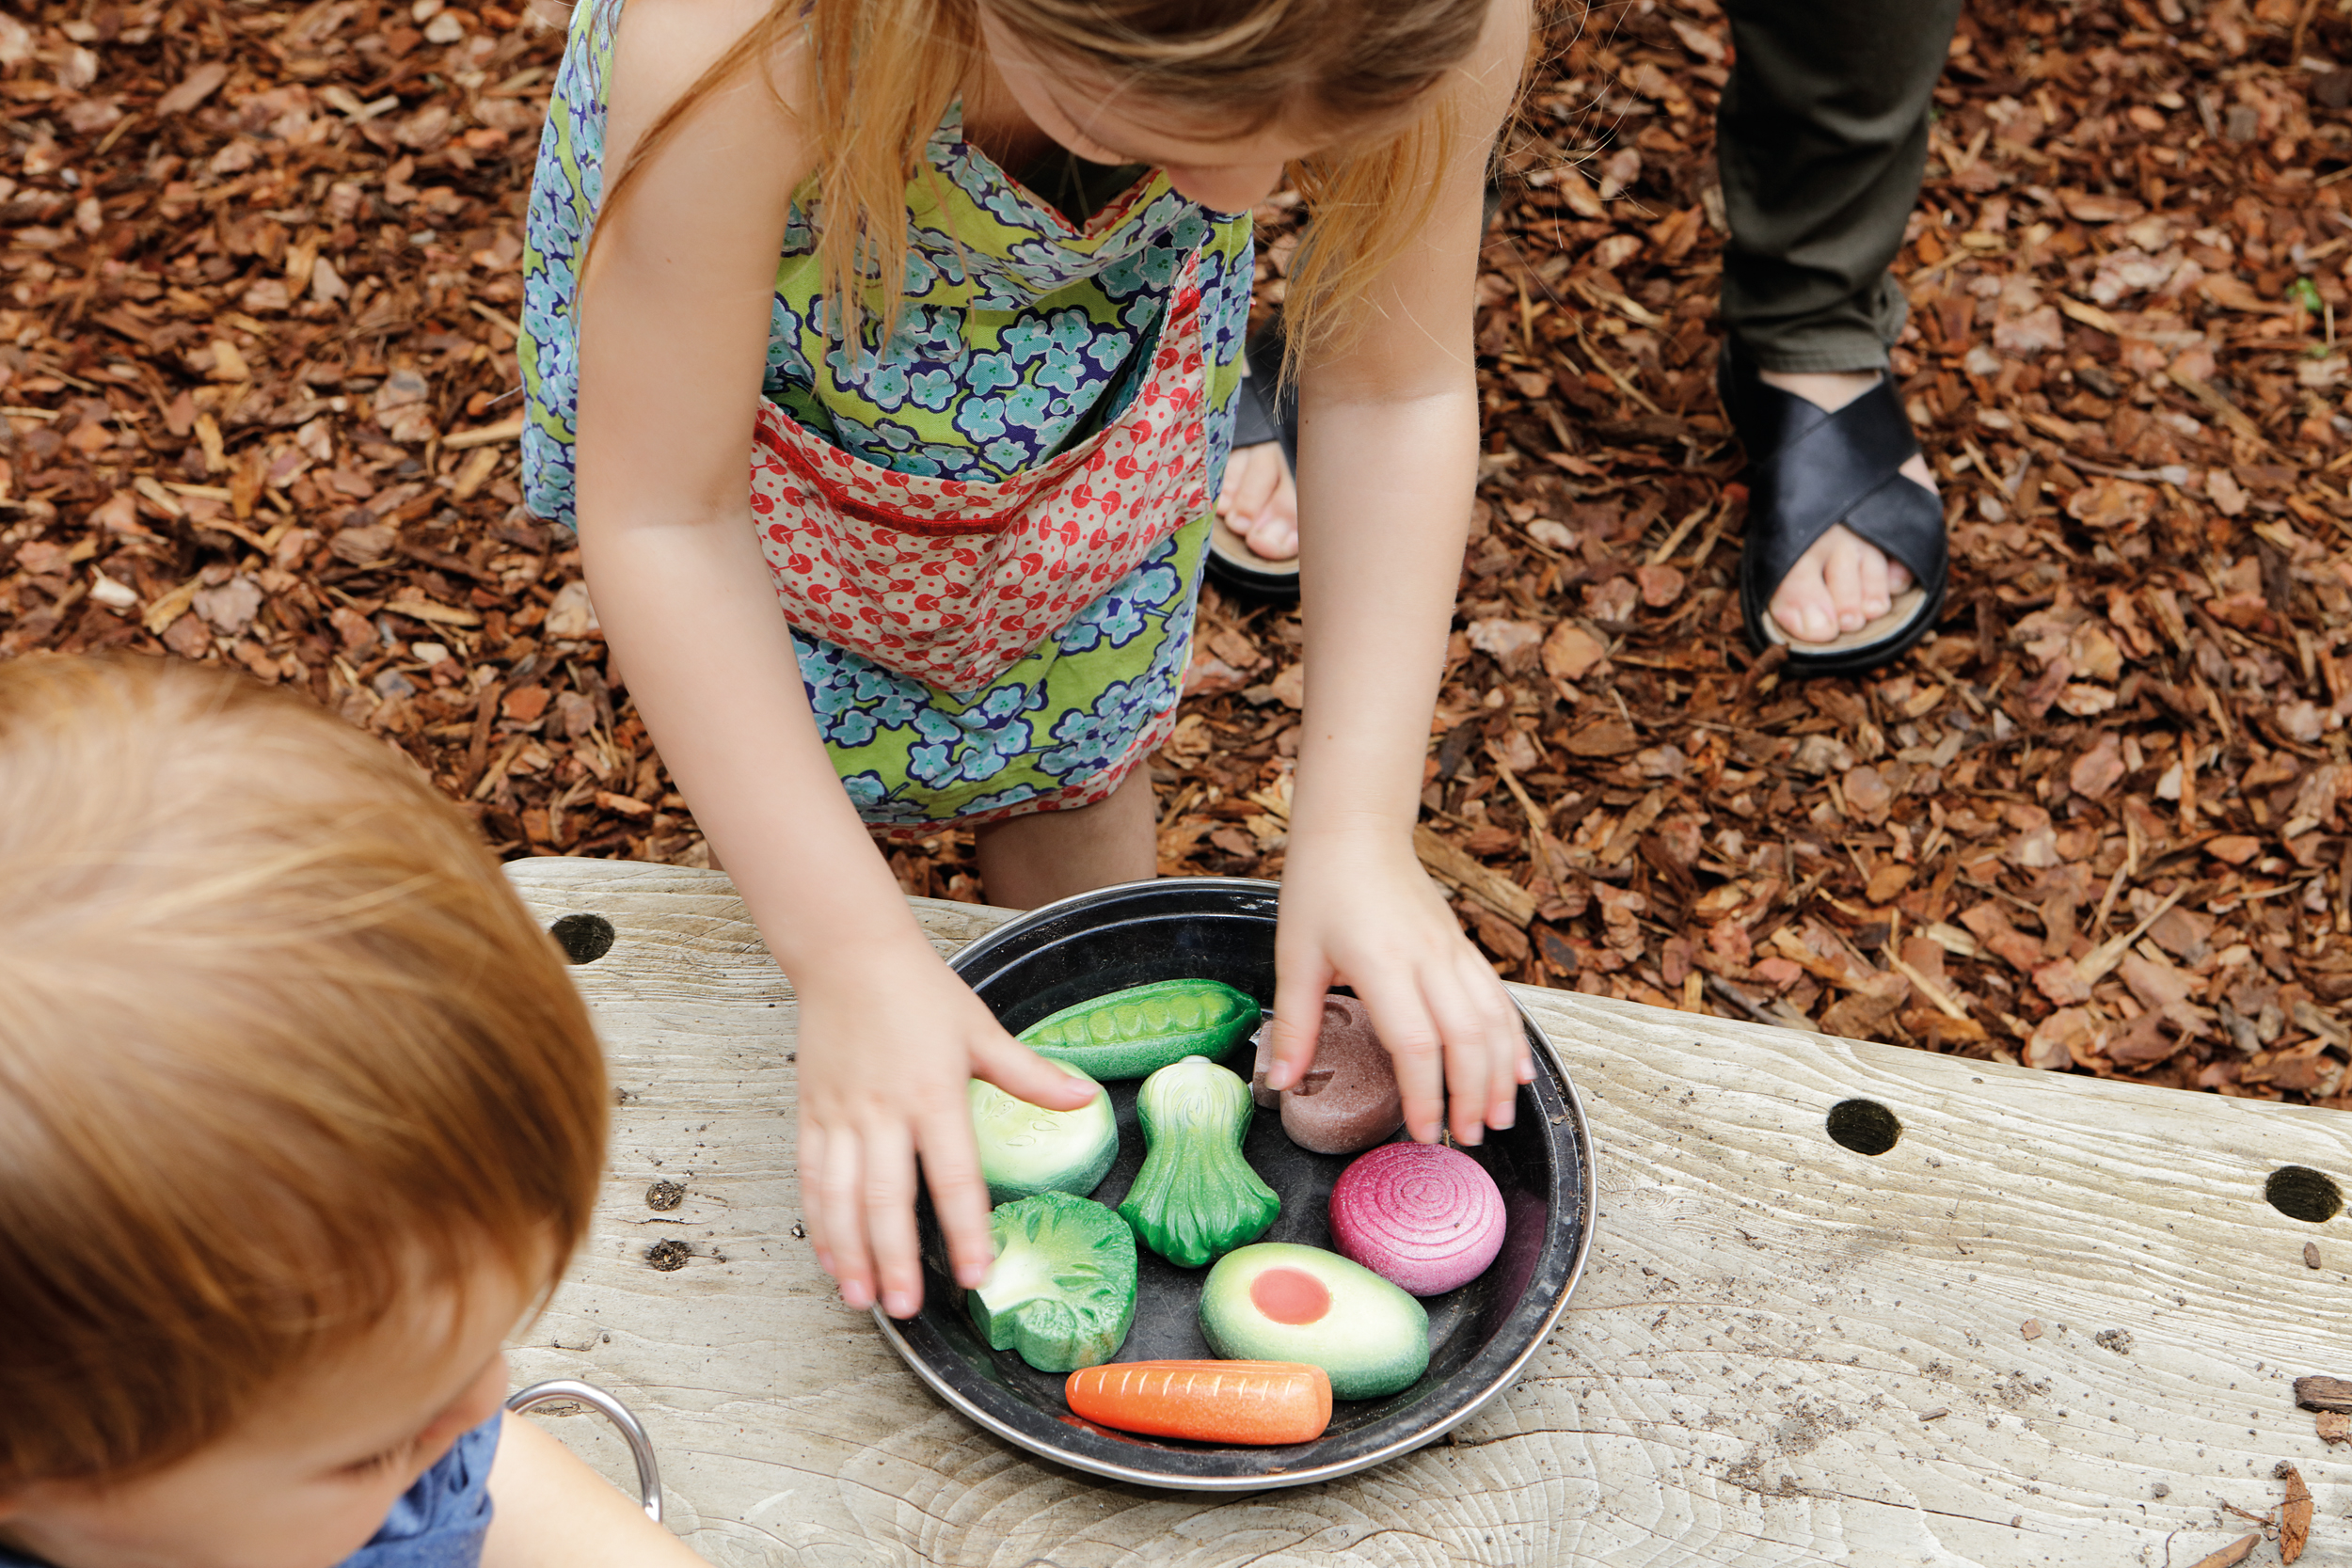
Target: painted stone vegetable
[1348, 1100]
[1195, 1196]
[1424, 1217]
[1062, 1290]
[1136, 1032]
[1025, 1149]
[1277, 1302]
[1208, 1401]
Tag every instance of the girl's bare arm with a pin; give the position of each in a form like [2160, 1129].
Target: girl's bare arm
[674, 319]
[1388, 460]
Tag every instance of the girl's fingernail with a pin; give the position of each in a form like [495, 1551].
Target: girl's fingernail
[856, 1297]
[898, 1303]
[1503, 1123]
[971, 1275]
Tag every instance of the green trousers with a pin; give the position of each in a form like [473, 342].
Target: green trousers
[1821, 138]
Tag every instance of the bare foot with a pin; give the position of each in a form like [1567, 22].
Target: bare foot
[1260, 501]
[1843, 582]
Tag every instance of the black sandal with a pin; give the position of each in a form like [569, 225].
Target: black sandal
[1233, 565]
[1809, 471]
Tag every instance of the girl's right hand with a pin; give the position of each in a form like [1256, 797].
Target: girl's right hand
[887, 1043]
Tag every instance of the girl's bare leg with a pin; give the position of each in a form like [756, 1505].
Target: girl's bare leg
[1034, 860]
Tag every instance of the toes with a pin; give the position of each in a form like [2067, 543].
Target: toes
[1840, 585]
[1876, 599]
[1801, 604]
[1842, 574]
[1274, 538]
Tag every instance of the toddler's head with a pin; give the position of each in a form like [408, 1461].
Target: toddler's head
[298, 1114]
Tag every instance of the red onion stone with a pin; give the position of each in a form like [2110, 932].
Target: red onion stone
[1424, 1217]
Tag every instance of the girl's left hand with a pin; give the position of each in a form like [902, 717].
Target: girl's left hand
[1358, 910]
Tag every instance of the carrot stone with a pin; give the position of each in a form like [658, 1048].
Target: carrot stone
[1207, 1402]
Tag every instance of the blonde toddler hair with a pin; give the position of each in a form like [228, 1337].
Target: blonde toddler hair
[278, 1048]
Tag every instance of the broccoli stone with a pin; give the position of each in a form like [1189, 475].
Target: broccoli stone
[1062, 1290]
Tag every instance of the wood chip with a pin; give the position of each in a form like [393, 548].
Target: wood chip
[172, 606]
[489, 435]
[2294, 1513]
[2323, 1393]
[2311, 1255]
[417, 607]
[2223, 408]
[2230, 1556]
[1473, 879]
[2030, 1328]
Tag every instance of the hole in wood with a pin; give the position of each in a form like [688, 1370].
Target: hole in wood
[584, 938]
[1864, 1126]
[2301, 1192]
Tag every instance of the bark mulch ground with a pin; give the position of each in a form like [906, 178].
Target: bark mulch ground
[256, 325]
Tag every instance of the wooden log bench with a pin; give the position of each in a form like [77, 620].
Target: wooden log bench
[2056, 1322]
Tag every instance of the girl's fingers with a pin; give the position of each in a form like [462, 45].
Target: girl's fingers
[1506, 1054]
[1462, 1025]
[888, 1201]
[1023, 1074]
[952, 1168]
[812, 1163]
[1416, 1048]
[840, 1201]
[1300, 984]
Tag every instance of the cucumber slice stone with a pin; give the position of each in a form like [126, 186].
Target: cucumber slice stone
[1025, 1149]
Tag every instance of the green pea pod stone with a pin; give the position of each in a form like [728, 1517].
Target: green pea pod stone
[1135, 1033]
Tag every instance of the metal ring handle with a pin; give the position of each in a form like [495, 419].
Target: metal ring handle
[639, 1446]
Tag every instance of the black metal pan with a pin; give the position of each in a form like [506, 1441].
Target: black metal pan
[1222, 928]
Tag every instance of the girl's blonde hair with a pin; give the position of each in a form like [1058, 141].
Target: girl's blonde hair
[885, 71]
[279, 1048]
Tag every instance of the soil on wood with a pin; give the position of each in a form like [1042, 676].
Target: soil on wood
[257, 329]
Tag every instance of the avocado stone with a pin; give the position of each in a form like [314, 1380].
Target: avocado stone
[1279, 1301]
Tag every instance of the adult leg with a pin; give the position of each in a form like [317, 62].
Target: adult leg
[1033, 859]
[1821, 138]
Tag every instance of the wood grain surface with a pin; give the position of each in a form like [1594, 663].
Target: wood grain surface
[1783, 1352]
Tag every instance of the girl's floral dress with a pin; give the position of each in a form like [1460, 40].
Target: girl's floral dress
[1022, 334]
